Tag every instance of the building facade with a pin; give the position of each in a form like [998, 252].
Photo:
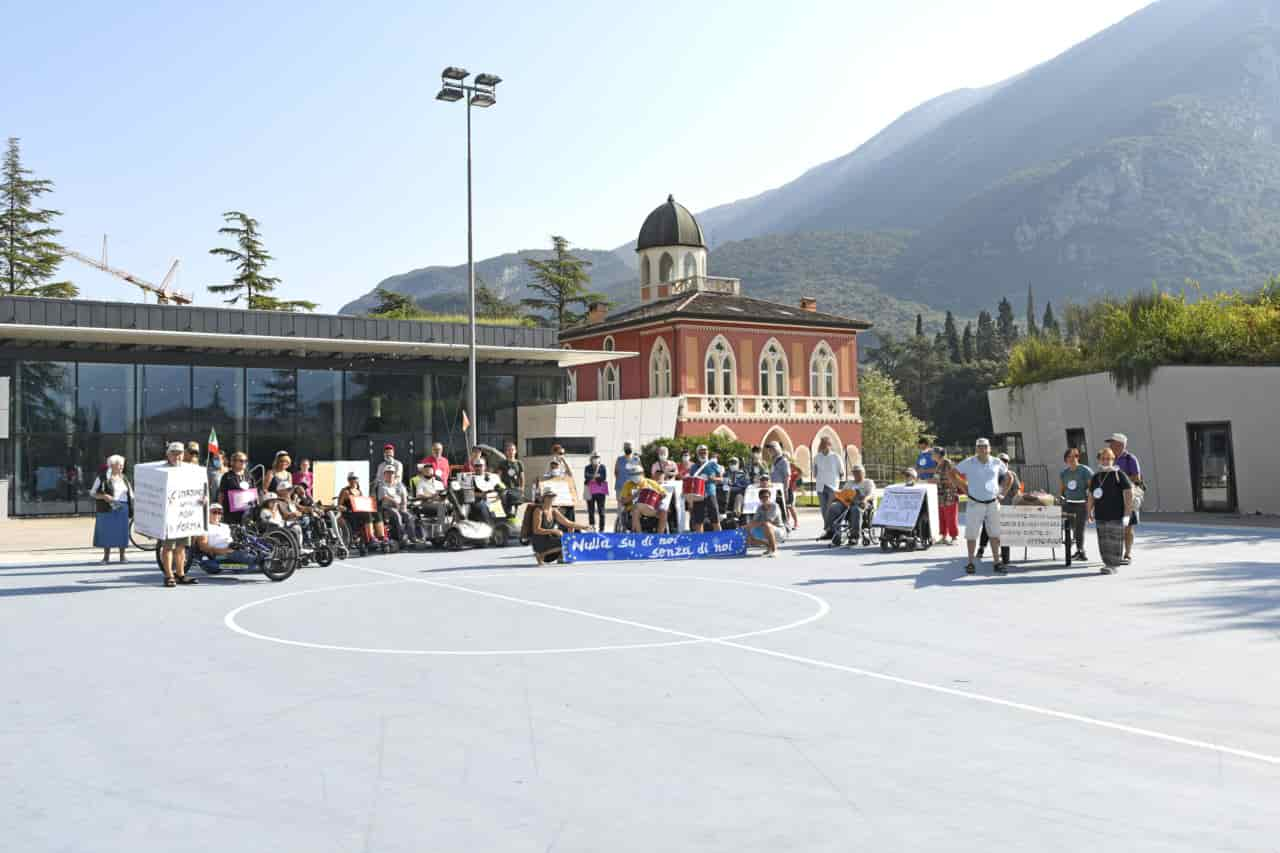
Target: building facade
[1188, 427]
[747, 368]
[89, 379]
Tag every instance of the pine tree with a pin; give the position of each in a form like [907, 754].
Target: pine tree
[919, 325]
[1006, 328]
[491, 304]
[1031, 313]
[395, 306]
[29, 254]
[1049, 326]
[251, 263]
[967, 351]
[562, 280]
[987, 339]
[952, 338]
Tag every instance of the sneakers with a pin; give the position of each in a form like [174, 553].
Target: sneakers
[969, 569]
[1108, 570]
[1000, 569]
[1081, 556]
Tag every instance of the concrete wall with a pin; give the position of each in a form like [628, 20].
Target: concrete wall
[1155, 419]
[610, 422]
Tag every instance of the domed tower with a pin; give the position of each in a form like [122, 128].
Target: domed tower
[671, 250]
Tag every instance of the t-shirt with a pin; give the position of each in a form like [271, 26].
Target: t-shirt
[394, 490]
[1109, 507]
[828, 470]
[426, 487]
[664, 470]
[630, 487]
[770, 513]
[781, 472]
[441, 464]
[394, 464]
[512, 471]
[983, 479]
[926, 464]
[1075, 484]
[1128, 463]
[219, 536]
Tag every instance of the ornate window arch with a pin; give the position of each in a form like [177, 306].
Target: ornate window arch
[660, 369]
[823, 378]
[610, 383]
[664, 267]
[645, 271]
[690, 266]
[774, 371]
[720, 368]
[608, 344]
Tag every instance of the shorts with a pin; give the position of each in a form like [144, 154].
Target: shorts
[1133, 518]
[179, 542]
[791, 496]
[707, 509]
[976, 514]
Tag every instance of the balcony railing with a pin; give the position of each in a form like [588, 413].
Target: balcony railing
[710, 284]
[708, 407]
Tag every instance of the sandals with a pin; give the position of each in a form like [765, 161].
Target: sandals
[170, 582]
[187, 581]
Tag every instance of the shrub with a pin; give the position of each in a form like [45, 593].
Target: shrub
[726, 447]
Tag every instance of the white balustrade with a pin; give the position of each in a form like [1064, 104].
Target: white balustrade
[720, 407]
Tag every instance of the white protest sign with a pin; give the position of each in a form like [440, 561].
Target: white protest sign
[751, 499]
[900, 506]
[563, 489]
[1031, 526]
[169, 500]
[330, 477]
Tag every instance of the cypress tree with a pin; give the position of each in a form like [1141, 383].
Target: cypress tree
[1050, 323]
[952, 338]
[1031, 313]
[1006, 328]
[29, 254]
[967, 351]
[987, 339]
[919, 326]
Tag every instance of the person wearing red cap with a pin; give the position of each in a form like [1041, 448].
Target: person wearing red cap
[389, 460]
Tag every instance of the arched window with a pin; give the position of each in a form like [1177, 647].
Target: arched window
[690, 266]
[608, 343]
[644, 271]
[664, 267]
[822, 372]
[571, 387]
[660, 370]
[773, 370]
[721, 367]
[610, 386]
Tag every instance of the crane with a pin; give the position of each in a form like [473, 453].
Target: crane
[164, 295]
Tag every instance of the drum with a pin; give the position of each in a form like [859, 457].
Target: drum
[695, 488]
[650, 501]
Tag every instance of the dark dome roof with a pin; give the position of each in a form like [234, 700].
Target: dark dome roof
[670, 224]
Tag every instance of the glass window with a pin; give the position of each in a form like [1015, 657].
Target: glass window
[45, 396]
[272, 399]
[496, 410]
[48, 474]
[217, 401]
[166, 399]
[379, 402]
[93, 450]
[446, 413]
[575, 446]
[104, 398]
[320, 401]
[773, 371]
[537, 390]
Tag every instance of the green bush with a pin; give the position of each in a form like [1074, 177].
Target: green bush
[726, 447]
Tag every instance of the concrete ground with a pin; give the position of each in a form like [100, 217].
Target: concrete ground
[822, 701]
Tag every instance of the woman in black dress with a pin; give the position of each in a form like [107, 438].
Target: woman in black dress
[237, 479]
[548, 525]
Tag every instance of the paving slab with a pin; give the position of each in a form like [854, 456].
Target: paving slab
[826, 700]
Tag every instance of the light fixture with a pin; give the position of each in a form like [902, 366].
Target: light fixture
[482, 99]
[489, 80]
[455, 73]
[449, 93]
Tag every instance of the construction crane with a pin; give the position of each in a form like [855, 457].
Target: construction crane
[164, 294]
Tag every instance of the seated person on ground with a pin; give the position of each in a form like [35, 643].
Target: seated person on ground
[548, 524]
[215, 547]
[854, 498]
[636, 483]
[766, 528]
[393, 503]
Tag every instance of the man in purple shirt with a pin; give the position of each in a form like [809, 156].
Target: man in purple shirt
[1128, 463]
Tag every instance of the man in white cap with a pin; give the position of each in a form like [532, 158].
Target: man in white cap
[1128, 463]
[984, 479]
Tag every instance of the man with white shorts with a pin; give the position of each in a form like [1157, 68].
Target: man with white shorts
[981, 476]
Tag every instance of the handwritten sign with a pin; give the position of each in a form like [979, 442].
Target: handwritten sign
[241, 499]
[562, 486]
[169, 499]
[751, 498]
[1031, 526]
[587, 547]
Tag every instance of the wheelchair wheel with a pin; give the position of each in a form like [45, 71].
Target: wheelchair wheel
[282, 562]
[453, 540]
[323, 556]
[344, 534]
[140, 540]
[341, 552]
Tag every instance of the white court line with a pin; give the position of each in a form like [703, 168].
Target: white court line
[866, 673]
[231, 620]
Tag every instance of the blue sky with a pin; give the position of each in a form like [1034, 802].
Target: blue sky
[320, 121]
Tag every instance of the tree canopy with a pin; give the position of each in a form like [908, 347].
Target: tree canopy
[29, 253]
[561, 282]
[250, 258]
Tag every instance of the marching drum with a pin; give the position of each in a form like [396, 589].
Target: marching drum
[695, 488]
[650, 501]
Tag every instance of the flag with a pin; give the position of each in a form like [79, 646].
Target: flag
[466, 421]
[213, 443]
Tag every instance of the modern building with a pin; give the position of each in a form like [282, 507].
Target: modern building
[742, 367]
[1188, 427]
[88, 379]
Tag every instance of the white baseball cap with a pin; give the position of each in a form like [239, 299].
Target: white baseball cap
[1120, 437]
[982, 442]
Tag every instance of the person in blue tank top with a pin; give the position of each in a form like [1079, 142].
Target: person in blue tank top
[926, 466]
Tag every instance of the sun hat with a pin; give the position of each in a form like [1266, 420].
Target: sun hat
[1120, 437]
[174, 447]
[352, 476]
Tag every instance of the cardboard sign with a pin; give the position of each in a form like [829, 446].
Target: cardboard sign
[169, 500]
[1031, 526]
[589, 547]
[363, 503]
[239, 500]
[751, 499]
[562, 486]
[900, 506]
[330, 477]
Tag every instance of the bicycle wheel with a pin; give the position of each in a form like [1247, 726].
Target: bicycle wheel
[140, 540]
[282, 562]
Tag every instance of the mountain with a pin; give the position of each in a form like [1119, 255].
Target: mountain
[444, 289]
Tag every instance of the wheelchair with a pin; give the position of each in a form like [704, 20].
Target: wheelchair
[919, 537]
[275, 552]
[843, 534]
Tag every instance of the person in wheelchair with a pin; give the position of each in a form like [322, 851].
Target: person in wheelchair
[919, 536]
[393, 502]
[217, 546]
[845, 513]
[472, 488]
[367, 527]
[308, 516]
[736, 481]
[278, 510]
[428, 494]
[634, 509]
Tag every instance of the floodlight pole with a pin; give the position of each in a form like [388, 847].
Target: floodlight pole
[471, 303]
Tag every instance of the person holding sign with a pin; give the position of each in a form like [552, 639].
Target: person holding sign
[982, 476]
[236, 491]
[766, 528]
[359, 511]
[1110, 504]
[1073, 486]
[595, 481]
[172, 550]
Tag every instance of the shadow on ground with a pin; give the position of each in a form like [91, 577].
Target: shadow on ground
[1238, 596]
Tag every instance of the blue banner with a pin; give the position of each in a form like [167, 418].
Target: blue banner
[586, 547]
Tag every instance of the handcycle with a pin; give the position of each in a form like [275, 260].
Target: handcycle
[274, 553]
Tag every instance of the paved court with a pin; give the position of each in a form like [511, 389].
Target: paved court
[823, 701]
